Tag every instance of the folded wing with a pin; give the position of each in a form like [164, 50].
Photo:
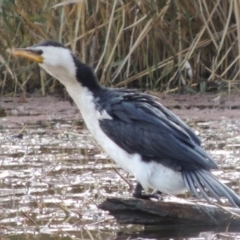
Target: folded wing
[141, 125]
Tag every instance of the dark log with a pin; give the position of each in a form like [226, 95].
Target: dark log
[162, 213]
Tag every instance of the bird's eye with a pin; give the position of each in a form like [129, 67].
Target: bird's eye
[39, 52]
[35, 51]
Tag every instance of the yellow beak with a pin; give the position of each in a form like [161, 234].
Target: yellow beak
[29, 54]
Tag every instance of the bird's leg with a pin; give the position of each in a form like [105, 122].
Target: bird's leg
[138, 193]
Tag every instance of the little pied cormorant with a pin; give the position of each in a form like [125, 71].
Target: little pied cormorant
[138, 133]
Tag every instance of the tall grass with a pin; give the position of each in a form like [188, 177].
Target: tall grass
[134, 43]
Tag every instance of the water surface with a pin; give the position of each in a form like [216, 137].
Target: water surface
[53, 175]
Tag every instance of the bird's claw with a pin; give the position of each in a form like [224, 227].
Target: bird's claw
[139, 194]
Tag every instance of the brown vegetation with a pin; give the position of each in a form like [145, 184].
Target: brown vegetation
[136, 43]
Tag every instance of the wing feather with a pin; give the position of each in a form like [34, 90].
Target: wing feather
[141, 125]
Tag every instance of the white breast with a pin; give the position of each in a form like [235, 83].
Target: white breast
[85, 102]
[151, 174]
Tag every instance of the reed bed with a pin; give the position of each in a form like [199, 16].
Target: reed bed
[164, 45]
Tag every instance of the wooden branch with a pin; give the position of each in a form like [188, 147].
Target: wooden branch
[147, 212]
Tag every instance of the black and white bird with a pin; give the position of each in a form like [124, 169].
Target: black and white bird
[139, 134]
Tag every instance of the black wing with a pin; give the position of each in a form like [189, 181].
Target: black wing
[142, 125]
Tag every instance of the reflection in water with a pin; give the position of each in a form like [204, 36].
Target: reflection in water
[53, 176]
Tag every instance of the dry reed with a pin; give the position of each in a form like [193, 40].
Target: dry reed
[137, 43]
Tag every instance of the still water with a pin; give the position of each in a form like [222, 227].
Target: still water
[53, 175]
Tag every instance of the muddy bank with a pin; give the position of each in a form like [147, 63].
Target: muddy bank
[188, 107]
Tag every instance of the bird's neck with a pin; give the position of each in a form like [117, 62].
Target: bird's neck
[86, 76]
[85, 99]
[81, 84]
[81, 95]
[83, 88]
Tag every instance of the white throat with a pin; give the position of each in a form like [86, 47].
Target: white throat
[59, 63]
[84, 100]
[61, 74]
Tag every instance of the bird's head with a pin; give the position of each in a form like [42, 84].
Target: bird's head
[59, 62]
[53, 57]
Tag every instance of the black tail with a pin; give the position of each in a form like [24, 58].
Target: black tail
[201, 181]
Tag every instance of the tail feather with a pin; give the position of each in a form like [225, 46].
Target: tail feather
[199, 182]
[199, 186]
[193, 183]
[214, 187]
[218, 188]
[189, 182]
